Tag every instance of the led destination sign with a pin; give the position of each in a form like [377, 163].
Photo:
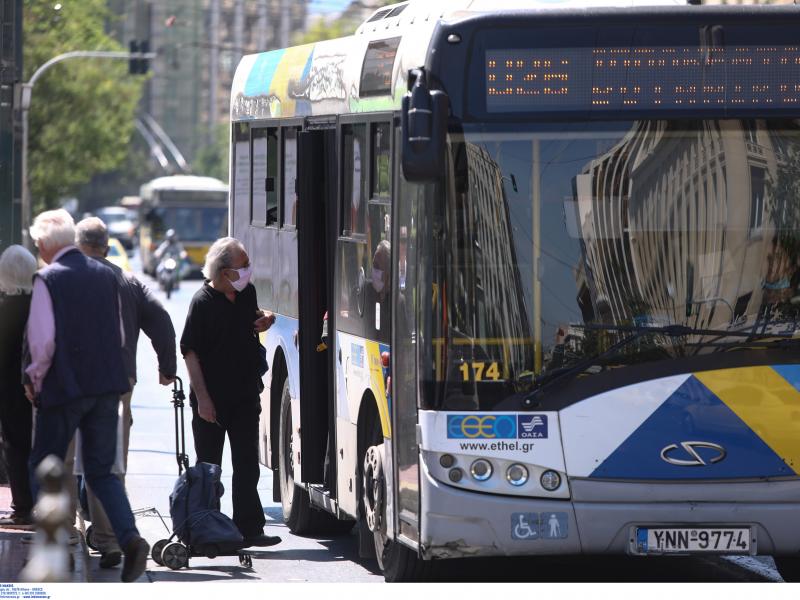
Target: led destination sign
[654, 78]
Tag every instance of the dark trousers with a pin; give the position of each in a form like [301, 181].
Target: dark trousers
[16, 419]
[96, 417]
[241, 424]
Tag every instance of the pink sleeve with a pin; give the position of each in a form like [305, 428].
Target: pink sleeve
[41, 334]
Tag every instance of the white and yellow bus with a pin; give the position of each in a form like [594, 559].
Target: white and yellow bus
[195, 207]
[559, 253]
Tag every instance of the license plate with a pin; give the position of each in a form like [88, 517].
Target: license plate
[719, 540]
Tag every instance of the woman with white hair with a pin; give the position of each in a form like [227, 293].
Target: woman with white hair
[17, 267]
[220, 346]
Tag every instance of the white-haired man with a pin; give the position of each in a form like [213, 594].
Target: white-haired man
[141, 311]
[220, 346]
[77, 373]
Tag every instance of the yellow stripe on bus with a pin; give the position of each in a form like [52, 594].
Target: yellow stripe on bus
[378, 386]
[766, 402]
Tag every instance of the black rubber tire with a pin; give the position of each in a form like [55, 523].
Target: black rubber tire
[402, 564]
[300, 516]
[789, 568]
[90, 540]
[294, 500]
[399, 563]
[175, 556]
[156, 551]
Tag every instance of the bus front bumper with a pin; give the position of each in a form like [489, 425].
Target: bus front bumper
[459, 524]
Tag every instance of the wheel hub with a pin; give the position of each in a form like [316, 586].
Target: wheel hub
[373, 486]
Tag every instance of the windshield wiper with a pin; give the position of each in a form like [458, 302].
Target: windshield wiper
[547, 381]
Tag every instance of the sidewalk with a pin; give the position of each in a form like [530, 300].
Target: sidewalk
[13, 553]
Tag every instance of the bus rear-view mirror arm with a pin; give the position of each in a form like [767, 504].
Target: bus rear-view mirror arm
[424, 125]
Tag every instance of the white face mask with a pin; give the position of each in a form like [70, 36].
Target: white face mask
[377, 279]
[244, 278]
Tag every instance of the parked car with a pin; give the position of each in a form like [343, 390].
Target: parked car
[121, 223]
[117, 255]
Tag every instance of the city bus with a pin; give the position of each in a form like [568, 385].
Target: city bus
[536, 276]
[195, 207]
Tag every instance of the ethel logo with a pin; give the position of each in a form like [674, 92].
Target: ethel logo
[478, 426]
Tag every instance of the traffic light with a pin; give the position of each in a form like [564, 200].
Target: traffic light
[138, 65]
[144, 63]
[133, 62]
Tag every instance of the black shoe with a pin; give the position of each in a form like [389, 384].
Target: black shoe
[110, 559]
[135, 559]
[18, 521]
[261, 540]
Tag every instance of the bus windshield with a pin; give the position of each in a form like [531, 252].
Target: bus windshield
[196, 223]
[604, 245]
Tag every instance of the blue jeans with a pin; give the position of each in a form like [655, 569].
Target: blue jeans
[96, 417]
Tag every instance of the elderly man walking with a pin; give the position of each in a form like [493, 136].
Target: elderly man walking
[77, 371]
[220, 346]
[140, 311]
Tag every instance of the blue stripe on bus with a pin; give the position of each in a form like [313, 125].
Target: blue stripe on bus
[260, 78]
[790, 373]
[692, 413]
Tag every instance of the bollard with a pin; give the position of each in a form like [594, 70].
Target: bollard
[49, 556]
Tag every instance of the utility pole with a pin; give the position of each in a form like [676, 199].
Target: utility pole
[10, 75]
[261, 28]
[238, 31]
[25, 90]
[285, 23]
[213, 71]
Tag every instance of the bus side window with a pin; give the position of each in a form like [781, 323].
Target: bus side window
[289, 209]
[271, 183]
[241, 178]
[354, 176]
[258, 210]
[381, 174]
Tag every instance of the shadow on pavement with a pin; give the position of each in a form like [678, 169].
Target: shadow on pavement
[204, 573]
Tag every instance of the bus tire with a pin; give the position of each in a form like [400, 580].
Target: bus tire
[398, 563]
[300, 516]
[295, 502]
[789, 568]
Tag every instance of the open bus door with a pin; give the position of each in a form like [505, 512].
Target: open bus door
[316, 218]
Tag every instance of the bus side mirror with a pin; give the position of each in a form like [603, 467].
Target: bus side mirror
[424, 129]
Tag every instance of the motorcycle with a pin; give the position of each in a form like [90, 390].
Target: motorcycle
[168, 272]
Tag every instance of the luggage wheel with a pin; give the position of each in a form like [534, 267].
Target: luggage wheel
[246, 560]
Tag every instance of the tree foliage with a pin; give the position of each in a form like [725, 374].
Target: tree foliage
[82, 111]
[211, 160]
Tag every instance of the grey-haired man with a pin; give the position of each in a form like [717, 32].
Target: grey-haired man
[140, 311]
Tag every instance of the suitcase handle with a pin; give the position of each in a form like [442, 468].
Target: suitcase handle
[178, 399]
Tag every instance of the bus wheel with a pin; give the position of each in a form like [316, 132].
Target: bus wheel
[300, 516]
[789, 568]
[294, 500]
[373, 487]
[397, 562]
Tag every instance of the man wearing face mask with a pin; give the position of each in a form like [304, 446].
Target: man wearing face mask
[220, 346]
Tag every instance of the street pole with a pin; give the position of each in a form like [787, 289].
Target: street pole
[26, 90]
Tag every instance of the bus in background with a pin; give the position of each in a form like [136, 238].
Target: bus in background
[195, 207]
[556, 254]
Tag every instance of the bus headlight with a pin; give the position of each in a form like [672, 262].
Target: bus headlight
[517, 474]
[447, 460]
[481, 469]
[455, 475]
[550, 481]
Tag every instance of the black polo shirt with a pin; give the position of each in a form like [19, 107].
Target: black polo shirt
[222, 335]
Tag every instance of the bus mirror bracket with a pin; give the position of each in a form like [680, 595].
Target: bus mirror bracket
[424, 128]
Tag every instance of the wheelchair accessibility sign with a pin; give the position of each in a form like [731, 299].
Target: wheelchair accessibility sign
[539, 526]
